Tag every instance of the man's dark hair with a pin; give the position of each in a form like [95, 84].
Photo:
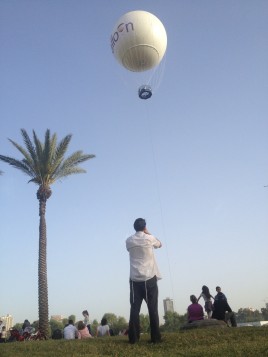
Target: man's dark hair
[70, 322]
[103, 321]
[139, 224]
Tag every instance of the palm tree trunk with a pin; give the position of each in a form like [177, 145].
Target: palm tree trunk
[42, 270]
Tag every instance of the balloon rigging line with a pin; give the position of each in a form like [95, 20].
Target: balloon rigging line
[160, 202]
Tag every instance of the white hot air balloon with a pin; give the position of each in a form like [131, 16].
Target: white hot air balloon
[139, 43]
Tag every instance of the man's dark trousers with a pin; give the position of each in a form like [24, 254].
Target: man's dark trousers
[147, 290]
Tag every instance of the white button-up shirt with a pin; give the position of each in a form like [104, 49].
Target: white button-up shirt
[70, 332]
[141, 255]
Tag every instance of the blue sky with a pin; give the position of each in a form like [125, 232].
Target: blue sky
[192, 160]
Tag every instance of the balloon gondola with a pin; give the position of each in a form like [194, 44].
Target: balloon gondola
[145, 92]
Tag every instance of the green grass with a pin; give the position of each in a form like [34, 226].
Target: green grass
[247, 341]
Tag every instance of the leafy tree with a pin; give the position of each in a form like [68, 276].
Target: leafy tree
[111, 319]
[65, 322]
[144, 323]
[94, 326]
[248, 315]
[116, 323]
[35, 325]
[72, 317]
[173, 321]
[121, 324]
[45, 163]
[18, 326]
[264, 312]
[54, 325]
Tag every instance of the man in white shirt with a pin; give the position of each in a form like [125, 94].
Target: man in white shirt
[144, 274]
[70, 332]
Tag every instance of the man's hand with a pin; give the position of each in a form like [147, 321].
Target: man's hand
[146, 231]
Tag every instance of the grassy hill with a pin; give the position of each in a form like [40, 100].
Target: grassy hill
[246, 341]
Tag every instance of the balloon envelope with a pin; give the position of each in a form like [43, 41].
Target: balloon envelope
[139, 41]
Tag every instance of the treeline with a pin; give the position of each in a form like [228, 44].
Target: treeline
[250, 315]
[172, 321]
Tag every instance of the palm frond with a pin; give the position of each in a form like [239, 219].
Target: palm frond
[58, 154]
[38, 148]
[21, 165]
[23, 151]
[76, 158]
[69, 166]
[62, 147]
[40, 169]
[29, 145]
[50, 150]
[69, 171]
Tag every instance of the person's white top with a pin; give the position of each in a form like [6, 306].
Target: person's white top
[70, 332]
[86, 320]
[143, 265]
[103, 330]
[204, 297]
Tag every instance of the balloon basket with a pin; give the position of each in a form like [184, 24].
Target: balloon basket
[145, 92]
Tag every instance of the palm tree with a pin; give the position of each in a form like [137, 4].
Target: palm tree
[44, 163]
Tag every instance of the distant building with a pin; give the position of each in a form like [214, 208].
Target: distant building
[57, 317]
[168, 305]
[7, 321]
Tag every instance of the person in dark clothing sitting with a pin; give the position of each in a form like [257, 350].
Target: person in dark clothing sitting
[222, 310]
